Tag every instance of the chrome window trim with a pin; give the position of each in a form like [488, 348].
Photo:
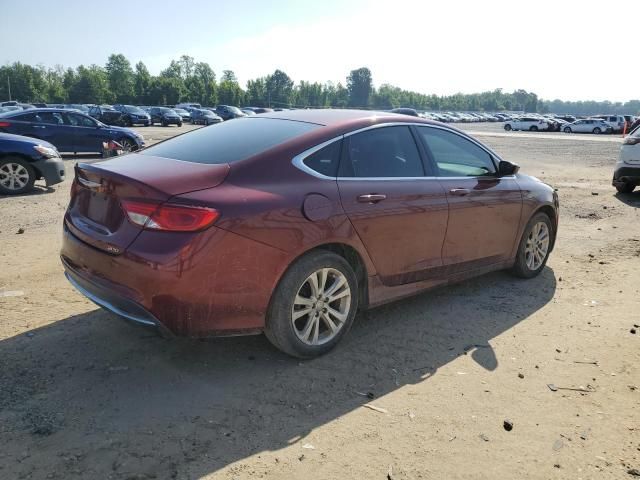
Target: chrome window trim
[298, 160]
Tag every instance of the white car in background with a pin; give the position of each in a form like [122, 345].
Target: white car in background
[533, 124]
[626, 175]
[616, 122]
[588, 125]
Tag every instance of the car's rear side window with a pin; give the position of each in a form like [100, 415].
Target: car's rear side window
[230, 141]
[325, 160]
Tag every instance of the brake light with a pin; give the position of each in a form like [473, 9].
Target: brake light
[168, 216]
[4, 124]
[631, 140]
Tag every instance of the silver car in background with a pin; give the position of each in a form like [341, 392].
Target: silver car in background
[588, 125]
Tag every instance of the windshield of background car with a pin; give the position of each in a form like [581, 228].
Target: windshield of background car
[230, 142]
[234, 109]
[136, 110]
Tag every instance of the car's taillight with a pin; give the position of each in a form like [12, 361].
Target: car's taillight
[4, 124]
[631, 140]
[169, 216]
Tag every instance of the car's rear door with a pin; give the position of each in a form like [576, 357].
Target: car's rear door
[399, 214]
[484, 208]
[51, 127]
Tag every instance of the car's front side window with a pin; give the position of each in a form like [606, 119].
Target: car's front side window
[382, 152]
[456, 156]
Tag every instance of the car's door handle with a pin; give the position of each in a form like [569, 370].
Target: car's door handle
[461, 192]
[371, 198]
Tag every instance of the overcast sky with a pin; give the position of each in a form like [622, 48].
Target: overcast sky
[568, 49]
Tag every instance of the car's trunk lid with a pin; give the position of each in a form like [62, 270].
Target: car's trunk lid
[95, 214]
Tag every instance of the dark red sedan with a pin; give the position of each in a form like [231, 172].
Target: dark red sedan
[287, 223]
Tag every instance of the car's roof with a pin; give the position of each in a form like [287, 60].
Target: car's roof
[38, 110]
[337, 117]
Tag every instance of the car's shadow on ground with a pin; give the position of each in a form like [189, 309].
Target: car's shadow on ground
[95, 395]
[631, 199]
[37, 190]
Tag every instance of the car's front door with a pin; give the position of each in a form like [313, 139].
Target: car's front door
[51, 127]
[484, 208]
[398, 213]
[88, 136]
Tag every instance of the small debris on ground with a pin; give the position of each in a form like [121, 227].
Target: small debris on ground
[374, 408]
[508, 425]
[634, 472]
[20, 231]
[390, 473]
[11, 293]
[484, 437]
[520, 375]
[633, 331]
[308, 446]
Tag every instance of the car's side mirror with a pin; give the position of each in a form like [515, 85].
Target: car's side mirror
[507, 168]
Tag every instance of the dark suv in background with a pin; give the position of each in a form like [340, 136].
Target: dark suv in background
[106, 114]
[133, 115]
[165, 116]
[200, 116]
[227, 112]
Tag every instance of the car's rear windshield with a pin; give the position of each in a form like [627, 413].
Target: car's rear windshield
[230, 141]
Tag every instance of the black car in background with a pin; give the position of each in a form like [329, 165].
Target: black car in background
[24, 160]
[184, 114]
[106, 114]
[133, 115]
[200, 116]
[165, 116]
[227, 112]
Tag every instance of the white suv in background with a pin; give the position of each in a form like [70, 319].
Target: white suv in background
[626, 175]
[532, 124]
[615, 121]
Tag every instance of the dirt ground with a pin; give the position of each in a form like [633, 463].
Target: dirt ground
[85, 395]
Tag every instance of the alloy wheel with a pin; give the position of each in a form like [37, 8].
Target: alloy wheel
[13, 176]
[321, 306]
[537, 246]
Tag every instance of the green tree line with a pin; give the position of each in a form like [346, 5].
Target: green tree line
[185, 79]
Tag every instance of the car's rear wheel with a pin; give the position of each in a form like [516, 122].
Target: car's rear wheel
[534, 247]
[597, 130]
[126, 122]
[625, 187]
[313, 306]
[567, 129]
[16, 176]
[179, 124]
[533, 128]
[507, 127]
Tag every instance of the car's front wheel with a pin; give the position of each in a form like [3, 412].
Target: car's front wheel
[597, 131]
[507, 127]
[567, 129]
[313, 306]
[534, 247]
[16, 176]
[128, 145]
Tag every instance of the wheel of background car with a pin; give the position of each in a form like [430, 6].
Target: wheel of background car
[164, 124]
[533, 128]
[507, 127]
[179, 124]
[567, 130]
[626, 187]
[128, 145]
[313, 306]
[597, 130]
[534, 248]
[16, 176]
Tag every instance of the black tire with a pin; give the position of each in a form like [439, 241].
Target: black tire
[15, 165]
[597, 130]
[128, 145]
[533, 128]
[507, 127]
[126, 121]
[626, 187]
[179, 124]
[279, 327]
[520, 268]
[165, 124]
[567, 130]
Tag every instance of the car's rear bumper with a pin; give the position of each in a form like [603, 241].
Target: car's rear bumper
[204, 284]
[51, 169]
